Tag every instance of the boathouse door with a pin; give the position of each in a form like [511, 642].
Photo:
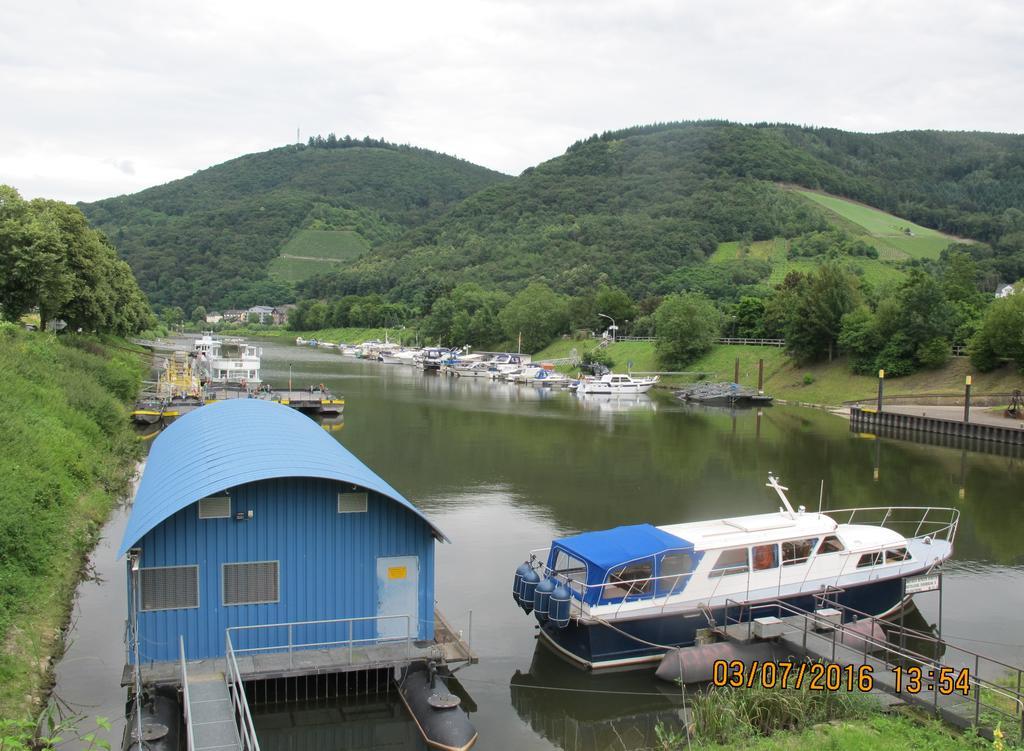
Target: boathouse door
[398, 587]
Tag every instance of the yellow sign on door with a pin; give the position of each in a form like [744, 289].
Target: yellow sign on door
[396, 572]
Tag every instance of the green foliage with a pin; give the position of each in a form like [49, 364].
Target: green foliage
[812, 309]
[202, 239]
[808, 379]
[830, 244]
[1001, 334]
[467, 315]
[687, 326]
[730, 715]
[537, 314]
[595, 356]
[68, 452]
[51, 260]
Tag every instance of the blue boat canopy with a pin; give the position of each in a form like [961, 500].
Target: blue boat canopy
[611, 547]
[238, 441]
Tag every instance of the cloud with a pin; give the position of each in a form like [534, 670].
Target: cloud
[505, 84]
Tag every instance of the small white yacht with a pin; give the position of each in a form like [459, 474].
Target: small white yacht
[616, 383]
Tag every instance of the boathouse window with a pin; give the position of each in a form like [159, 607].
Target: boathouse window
[831, 544]
[765, 557]
[251, 583]
[895, 555]
[677, 566]
[630, 579]
[795, 552]
[869, 559]
[169, 587]
[215, 507]
[733, 561]
[352, 503]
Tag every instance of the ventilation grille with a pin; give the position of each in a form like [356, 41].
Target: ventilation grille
[352, 503]
[169, 587]
[215, 507]
[250, 583]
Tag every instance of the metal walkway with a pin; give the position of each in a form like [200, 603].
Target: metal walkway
[210, 714]
[994, 687]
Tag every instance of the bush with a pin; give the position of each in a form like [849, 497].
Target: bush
[934, 353]
[808, 379]
[687, 326]
[599, 357]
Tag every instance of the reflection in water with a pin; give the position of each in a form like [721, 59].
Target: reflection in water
[577, 710]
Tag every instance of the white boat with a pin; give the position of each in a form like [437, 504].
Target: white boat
[625, 596]
[474, 370]
[615, 383]
[228, 362]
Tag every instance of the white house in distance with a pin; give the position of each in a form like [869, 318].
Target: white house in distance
[214, 317]
[1004, 290]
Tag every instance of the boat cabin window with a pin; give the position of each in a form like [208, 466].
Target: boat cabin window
[673, 572]
[733, 561]
[831, 544]
[795, 552]
[895, 555]
[630, 580]
[571, 568]
[765, 556]
[869, 559]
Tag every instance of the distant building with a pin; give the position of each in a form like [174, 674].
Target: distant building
[214, 317]
[266, 314]
[1004, 290]
[235, 315]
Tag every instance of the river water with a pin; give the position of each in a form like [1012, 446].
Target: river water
[502, 469]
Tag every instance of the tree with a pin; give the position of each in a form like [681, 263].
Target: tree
[687, 326]
[172, 315]
[537, 313]
[1001, 334]
[815, 317]
[199, 314]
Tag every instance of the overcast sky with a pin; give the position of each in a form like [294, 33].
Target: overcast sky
[104, 98]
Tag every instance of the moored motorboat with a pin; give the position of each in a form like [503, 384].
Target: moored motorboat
[616, 383]
[624, 596]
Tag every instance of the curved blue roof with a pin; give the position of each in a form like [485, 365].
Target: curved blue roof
[237, 441]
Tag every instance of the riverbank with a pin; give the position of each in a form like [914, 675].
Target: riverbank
[69, 454]
[818, 384]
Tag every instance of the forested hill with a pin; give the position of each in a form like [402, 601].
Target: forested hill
[208, 239]
[643, 208]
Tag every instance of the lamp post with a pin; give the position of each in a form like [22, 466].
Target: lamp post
[289, 380]
[613, 328]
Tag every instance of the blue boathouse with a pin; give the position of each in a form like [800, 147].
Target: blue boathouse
[248, 514]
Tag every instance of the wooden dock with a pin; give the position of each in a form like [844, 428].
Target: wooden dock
[446, 647]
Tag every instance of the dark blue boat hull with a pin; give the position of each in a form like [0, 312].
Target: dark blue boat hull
[643, 639]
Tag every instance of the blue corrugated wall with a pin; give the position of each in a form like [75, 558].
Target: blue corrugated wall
[327, 566]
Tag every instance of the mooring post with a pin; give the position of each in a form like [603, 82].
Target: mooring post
[967, 399]
[881, 381]
[736, 372]
[760, 376]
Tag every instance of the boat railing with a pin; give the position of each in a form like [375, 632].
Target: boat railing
[995, 687]
[913, 522]
[339, 633]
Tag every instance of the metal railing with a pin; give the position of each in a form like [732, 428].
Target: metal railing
[745, 340]
[891, 654]
[186, 700]
[894, 517]
[239, 702]
[349, 626]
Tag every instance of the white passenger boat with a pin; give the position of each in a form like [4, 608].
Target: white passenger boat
[615, 383]
[625, 596]
[228, 362]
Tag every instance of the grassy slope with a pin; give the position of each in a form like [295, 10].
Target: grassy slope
[317, 252]
[68, 454]
[833, 383]
[883, 231]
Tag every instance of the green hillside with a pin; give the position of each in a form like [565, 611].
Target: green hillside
[209, 238]
[314, 251]
[644, 208]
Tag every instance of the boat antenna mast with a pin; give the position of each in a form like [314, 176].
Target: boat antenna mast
[773, 482]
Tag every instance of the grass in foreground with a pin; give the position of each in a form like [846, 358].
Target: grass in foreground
[68, 455]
